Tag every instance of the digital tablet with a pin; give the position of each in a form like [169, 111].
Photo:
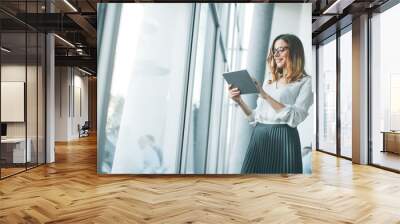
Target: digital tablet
[241, 80]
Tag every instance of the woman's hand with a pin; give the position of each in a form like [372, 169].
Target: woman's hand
[264, 95]
[261, 91]
[234, 93]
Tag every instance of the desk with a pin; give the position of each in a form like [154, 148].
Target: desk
[391, 141]
[15, 148]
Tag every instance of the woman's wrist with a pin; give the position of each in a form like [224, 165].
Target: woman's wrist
[240, 101]
[265, 96]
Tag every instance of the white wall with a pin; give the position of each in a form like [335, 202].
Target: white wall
[69, 82]
[61, 103]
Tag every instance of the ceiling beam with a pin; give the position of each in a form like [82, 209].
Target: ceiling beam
[320, 22]
[83, 61]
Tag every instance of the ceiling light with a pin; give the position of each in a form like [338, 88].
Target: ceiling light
[329, 9]
[84, 71]
[5, 50]
[338, 6]
[64, 40]
[70, 5]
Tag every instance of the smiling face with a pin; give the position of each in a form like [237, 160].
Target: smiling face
[281, 53]
[286, 53]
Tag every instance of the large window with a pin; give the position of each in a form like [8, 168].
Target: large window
[241, 24]
[327, 96]
[346, 94]
[147, 86]
[335, 60]
[166, 79]
[218, 49]
[201, 96]
[385, 89]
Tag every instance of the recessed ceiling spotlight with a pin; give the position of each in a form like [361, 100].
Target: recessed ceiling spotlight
[84, 71]
[5, 49]
[70, 5]
[337, 7]
[65, 41]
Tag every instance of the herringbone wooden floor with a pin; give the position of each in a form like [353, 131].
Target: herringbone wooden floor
[70, 191]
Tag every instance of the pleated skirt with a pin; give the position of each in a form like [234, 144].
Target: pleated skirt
[273, 148]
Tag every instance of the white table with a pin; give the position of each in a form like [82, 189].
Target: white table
[18, 145]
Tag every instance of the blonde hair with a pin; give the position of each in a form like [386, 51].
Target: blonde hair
[294, 62]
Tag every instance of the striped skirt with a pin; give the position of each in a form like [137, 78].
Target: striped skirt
[273, 148]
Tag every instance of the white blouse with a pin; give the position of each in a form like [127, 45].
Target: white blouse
[296, 96]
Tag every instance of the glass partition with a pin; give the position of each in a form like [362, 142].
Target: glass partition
[22, 90]
[15, 151]
[327, 97]
[385, 89]
[346, 94]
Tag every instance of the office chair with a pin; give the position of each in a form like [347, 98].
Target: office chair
[84, 130]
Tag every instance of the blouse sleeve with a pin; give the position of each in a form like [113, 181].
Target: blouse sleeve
[251, 117]
[294, 114]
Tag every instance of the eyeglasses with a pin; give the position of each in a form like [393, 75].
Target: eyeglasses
[279, 50]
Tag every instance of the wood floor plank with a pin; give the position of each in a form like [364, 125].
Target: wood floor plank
[70, 191]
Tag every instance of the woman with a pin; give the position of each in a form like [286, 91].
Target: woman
[283, 103]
